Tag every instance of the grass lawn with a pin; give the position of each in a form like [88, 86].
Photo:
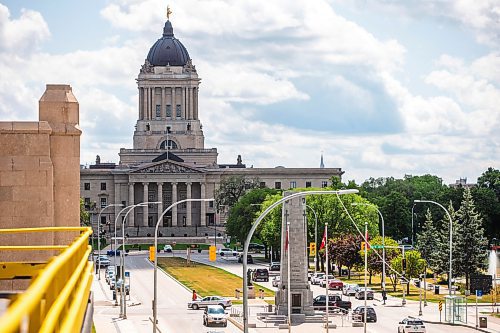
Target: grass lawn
[414, 291]
[206, 280]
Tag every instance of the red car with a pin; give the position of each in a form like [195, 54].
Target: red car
[335, 285]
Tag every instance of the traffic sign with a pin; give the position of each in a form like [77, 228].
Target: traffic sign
[152, 253]
[479, 293]
[377, 246]
[212, 253]
[127, 274]
[440, 306]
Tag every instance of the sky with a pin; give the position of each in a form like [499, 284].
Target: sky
[381, 88]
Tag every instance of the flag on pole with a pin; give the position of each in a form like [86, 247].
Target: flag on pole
[366, 240]
[286, 239]
[323, 241]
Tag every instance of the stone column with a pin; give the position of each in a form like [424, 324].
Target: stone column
[183, 103]
[130, 202]
[117, 201]
[174, 107]
[190, 103]
[174, 209]
[162, 103]
[145, 209]
[160, 199]
[195, 104]
[189, 222]
[203, 210]
[140, 103]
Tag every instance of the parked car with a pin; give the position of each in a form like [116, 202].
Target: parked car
[276, 281]
[256, 247]
[411, 325]
[249, 259]
[274, 266]
[110, 272]
[322, 281]
[319, 302]
[167, 248]
[214, 314]
[227, 252]
[350, 289]
[103, 261]
[316, 278]
[112, 282]
[209, 300]
[359, 314]
[360, 293]
[260, 274]
[335, 284]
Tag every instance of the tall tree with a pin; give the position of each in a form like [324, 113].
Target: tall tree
[414, 267]
[344, 251]
[471, 243]
[270, 228]
[374, 256]
[442, 258]
[427, 241]
[232, 189]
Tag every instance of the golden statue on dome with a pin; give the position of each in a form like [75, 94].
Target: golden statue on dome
[169, 12]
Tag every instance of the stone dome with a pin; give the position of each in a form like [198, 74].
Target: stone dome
[168, 50]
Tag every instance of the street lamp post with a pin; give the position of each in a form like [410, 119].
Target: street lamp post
[451, 238]
[412, 214]
[383, 241]
[315, 237]
[160, 218]
[99, 237]
[251, 232]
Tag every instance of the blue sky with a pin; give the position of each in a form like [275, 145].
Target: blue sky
[382, 88]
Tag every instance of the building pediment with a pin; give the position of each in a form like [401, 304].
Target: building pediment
[167, 167]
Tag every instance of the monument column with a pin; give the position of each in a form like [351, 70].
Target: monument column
[174, 208]
[159, 198]
[145, 209]
[203, 210]
[189, 222]
[130, 202]
[117, 200]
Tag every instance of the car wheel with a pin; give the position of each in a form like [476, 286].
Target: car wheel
[222, 254]
[195, 306]
[225, 324]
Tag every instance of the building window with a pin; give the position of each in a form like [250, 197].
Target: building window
[103, 186]
[308, 184]
[178, 110]
[169, 111]
[158, 111]
[171, 145]
[104, 202]
[293, 184]
[124, 204]
[86, 186]
[182, 196]
[210, 204]
[277, 185]
[262, 185]
[103, 219]
[324, 184]
[86, 201]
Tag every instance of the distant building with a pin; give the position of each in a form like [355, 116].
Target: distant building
[168, 161]
[462, 182]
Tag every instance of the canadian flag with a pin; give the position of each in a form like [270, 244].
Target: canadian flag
[286, 240]
[366, 239]
[323, 241]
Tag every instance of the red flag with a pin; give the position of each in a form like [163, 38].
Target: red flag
[286, 239]
[366, 240]
[323, 242]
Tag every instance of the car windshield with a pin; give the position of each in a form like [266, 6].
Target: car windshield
[216, 310]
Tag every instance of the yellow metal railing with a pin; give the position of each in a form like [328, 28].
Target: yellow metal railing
[57, 297]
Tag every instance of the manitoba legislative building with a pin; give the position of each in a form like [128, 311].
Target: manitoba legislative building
[169, 162]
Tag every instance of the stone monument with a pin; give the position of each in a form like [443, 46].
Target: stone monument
[293, 214]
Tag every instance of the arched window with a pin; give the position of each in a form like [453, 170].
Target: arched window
[171, 145]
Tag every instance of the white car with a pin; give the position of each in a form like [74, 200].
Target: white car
[316, 278]
[167, 248]
[214, 314]
[276, 281]
[209, 300]
[322, 281]
[350, 289]
[227, 252]
[103, 261]
[411, 325]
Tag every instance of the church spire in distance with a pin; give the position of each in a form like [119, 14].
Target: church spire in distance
[321, 164]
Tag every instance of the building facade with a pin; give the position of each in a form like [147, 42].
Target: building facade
[169, 162]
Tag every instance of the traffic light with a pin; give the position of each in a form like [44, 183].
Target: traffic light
[363, 246]
[212, 253]
[404, 264]
[312, 249]
[152, 253]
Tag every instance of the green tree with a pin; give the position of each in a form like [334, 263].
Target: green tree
[490, 179]
[471, 243]
[441, 261]
[427, 242]
[414, 267]
[270, 227]
[244, 212]
[374, 256]
[84, 214]
[344, 251]
[231, 189]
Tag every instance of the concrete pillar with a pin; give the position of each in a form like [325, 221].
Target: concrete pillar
[118, 200]
[190, 104]
[189, 222]
[183, 103]
[131, 216]
[195, 103]
[203, 210]
[160, 199]
[59, 107]
[140, 103]
[174, 209]
[174, 104]
[145, 209]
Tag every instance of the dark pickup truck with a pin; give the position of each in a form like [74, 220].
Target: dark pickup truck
[319, 302]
